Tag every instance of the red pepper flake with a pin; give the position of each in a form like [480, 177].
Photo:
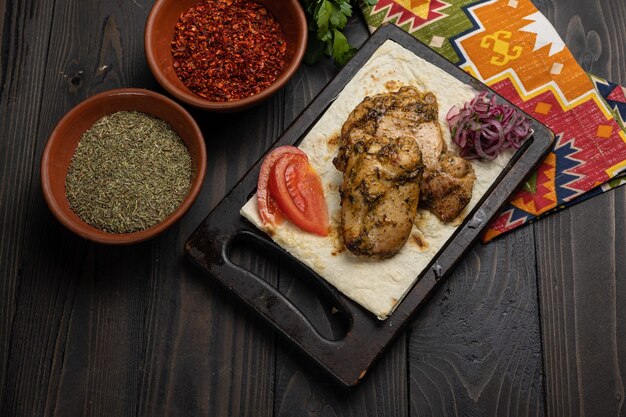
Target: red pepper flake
[225, 50]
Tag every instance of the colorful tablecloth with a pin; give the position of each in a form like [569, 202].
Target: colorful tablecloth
[513, 48]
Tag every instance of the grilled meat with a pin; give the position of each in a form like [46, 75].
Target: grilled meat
[447, 190]
[382, 165]
[379, 195]
[386, 143]
[405, 113]
[428, 135]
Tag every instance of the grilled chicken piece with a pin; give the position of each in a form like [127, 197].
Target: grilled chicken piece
[386, 143]
[447, 190]
[380, 194]
[405, 113]
[427, 134]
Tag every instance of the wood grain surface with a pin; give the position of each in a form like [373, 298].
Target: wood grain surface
[467, 357]
[20, 96]
[90, 330]
[580, 251]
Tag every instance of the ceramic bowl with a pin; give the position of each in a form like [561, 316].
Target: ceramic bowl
[159, 34]
[64, 140]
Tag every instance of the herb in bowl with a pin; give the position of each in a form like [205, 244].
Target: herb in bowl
[129, 172]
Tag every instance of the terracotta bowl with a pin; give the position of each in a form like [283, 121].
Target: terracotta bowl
[159, 34]
[64, 140]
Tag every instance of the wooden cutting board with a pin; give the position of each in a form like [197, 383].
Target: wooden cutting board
[348, 355]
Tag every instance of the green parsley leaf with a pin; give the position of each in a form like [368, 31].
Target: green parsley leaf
[322, 18]
[346, 8]
[327, 19]
[342, 51]
[338, 19]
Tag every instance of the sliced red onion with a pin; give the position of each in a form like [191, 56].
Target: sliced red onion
[482, 128]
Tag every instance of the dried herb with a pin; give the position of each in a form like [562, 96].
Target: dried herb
[129, 172]
[226, 50]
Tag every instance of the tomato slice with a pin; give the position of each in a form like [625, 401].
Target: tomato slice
[298, 191]
[269, 211]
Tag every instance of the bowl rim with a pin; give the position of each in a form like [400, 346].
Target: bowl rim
[199, 102]
[84, 229]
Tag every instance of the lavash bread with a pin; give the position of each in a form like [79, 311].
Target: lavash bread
[378, 286]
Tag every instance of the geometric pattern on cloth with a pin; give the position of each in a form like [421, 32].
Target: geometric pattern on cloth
[513, 48]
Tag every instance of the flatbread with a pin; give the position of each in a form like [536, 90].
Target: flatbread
[378, 286]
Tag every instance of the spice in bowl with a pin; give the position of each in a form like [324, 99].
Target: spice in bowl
[226, 50]
[129, 172]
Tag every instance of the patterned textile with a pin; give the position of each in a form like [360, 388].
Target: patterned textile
[513, 48]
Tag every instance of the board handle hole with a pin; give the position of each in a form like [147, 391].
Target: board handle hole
[301, 286]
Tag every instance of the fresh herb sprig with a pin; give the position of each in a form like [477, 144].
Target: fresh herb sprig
[327, 19]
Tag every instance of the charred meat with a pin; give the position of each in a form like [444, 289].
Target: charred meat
[405, 113]
[446, 191]
[382, 162]
[394, 157]
[379, 195]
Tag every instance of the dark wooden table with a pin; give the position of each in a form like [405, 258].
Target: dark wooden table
[532, 324]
